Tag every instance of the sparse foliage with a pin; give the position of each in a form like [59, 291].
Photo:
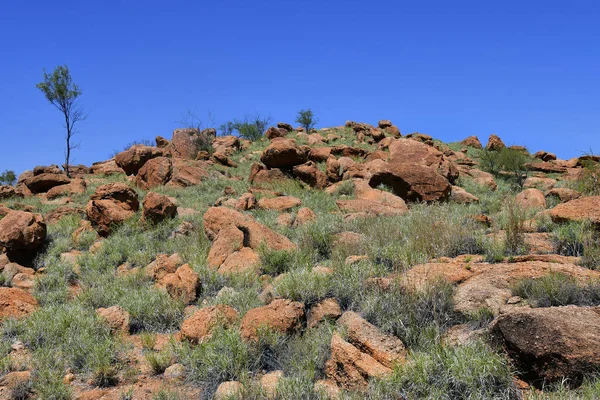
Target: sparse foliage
[60, 90]
[251, 127]
[8, 177]
[307, 119]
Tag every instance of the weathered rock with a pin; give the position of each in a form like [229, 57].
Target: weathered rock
[269, 383]
[551, 344]
[319, 154]
[116, 317]
[201, 324]
[311, 175]
[230, 390]
[531, 198]
[472, 141]
[155, 172]
[255, 234]
[6, 192]
[480, 177]
[413, 182]
[304, 216]
[108, 167]
[539, 183]
[564, 194]
[581, 209]
[110, 205]
[76, 186]
[369, 207]
[186, 142]
[183, 284]
[325, 309]
[545, 156]
[283, 153]
[229, 240]
[349, 367]
[260, 175]
[189, 173]
[227, 144]
[281, 203]
[163, 265]
[134, 158]
[63, 211]
[45, 181]
[460, 195]
[386, 349]
[16, 303]
[494, 143]
[242, 261]
[158, 207]
[281, 315]
[21, 230]
[274, 132]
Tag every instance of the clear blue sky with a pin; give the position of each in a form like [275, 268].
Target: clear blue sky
[526, 70]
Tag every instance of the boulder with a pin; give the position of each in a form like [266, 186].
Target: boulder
[155, 172]
[281, 203]
[412, 182]
[230, 390]
[460, 195]
[134, 158]
[274, 132]
[350, 368]
[76, 186]
[163, 265]
[311, 175]
[116, 318]
[108, 167]
[539, 183]
[200, 325]
[111, 204]
[227, 144]
[43, 182]
[260, 175]
[551, 344]
[325, 309]
[545, 156]
[283, 153]
[243, 261]
[531, 198]
[304, 216]
[495, 143]
[16, 303]
[158, 207]
[21, 230]
[187, 142]
[63, 211]
[282, 315]
[564, 194]
[319, 154]
[386, 349]
[6, 192]
[184, 284]
[229, 240]
[255, 234]
[472, 141]
[189, 173]
[581, 209]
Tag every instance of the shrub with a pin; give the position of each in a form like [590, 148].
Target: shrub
[159, 361]
[589, 182]
[514, 218]
[307, 119]
[8, 177]
[252, 127]
[275, 262]
[512, 161]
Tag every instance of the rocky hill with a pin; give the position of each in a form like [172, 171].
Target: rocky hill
[350, 262]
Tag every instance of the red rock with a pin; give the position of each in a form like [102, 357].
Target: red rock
[460, 195]
[7, 192]
[564, 194]
[227, 144]
[229, 240]
[274, 132]
[472, 141]
[184, 284]
[283, 153]
[116, 317]
[325, 309]
[531, 198]
[134, 158]
[155, 172]
[189, 173]
[163, 265]
[304, 216]
[284, 316]
[581, 209]
[16, 303]
[201, 324]
[158, 207]
[551, 344]
[186, 142]
[45, 181]
[108, 167]
[111, 204]
[282, 203]
[319, 154]
[495, 143]
[20, 230]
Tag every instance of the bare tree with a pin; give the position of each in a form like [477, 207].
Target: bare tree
[63, 93]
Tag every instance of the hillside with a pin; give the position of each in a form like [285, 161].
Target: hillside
[350, 262]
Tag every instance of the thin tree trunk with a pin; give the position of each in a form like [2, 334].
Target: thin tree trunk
[68, 152]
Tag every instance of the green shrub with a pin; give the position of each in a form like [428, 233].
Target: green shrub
[569, 238]
[8, 177]
[252, 127]
[159, 361]
[307, 119]
[275, 262]
[513, 222]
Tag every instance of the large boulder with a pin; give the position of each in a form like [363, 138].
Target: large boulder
[158, 207]
[110, 205]
[350, 368]
[260, 175]
[155, 172]
[472, 141]
[189, 173]
[108, 167]
[187, 142]
[7, 191]
[76, 186]
[551, 344]
[134, 158]
[495, 143]
[283, 153]
[581, 209]
[184, 284]
[16, 303]
[227, 144]
[281, 203]
[531, 198]
[116, 317]
[311, 175]
[255, 234]
[45, 181]
[200, 325]
[281, 315]
[21, 230]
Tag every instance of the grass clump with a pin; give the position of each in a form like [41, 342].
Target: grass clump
[558, 289]
[471, 371]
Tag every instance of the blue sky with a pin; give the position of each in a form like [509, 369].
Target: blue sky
[526, 70]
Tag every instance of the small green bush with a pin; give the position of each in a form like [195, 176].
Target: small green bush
[557, 289]
[307, 119]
